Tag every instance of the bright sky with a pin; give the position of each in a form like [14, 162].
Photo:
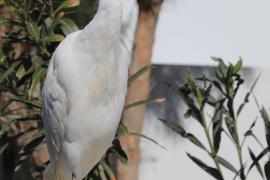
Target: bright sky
[190, 31]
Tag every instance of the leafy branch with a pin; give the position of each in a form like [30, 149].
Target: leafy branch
[217, 94]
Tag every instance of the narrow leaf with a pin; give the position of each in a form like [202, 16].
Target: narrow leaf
[33, 30]
[36, 79]
[62, 6]
[122, 129]
[3, 21]
[53, 38]
[119, 152]
[30, 117]
[226, 164]
[107, 169]
[67, 26]
[144, 102]
[246, 100]
[33, 143]
[258, 158]
[237, 67]
[253, 157]
[267, 170]
[136, 75]
[9, 71]
[35, 104]
[3, 148]
[148, 138]
[217, 126]
[266, 119]
[222, 66]
[210, 170]
[181, 131]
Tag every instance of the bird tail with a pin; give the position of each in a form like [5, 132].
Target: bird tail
[51, 173]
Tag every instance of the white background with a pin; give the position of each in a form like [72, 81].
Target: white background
[191, 31]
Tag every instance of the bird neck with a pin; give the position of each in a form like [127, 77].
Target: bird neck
[110, 5]
[104, 30]
[110, 11]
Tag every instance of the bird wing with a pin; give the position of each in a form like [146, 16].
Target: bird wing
[125, 52]
[54, 110]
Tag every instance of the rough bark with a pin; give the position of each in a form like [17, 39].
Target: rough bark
[139, 90]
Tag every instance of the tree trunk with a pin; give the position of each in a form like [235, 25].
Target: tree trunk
[139, 90]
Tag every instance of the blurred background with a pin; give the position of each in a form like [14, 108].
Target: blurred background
[175, 35]
[188, 34]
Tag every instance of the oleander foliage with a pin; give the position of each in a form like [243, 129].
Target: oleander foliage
[210, 100]
[33, 29]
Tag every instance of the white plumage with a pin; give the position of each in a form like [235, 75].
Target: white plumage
[84, 94]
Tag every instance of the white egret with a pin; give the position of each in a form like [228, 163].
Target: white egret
[84, 94]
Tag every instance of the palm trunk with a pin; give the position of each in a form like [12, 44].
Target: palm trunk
[139, 90]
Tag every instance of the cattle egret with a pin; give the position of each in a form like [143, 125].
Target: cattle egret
[84, 94]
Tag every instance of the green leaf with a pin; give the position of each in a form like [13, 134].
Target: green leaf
[36, 79]
[249, 131]
[35, 104]
[200, 97]
[258, 158]
[217, 126]
[62, 6]
[148, 138]
[122, 129]
[20, 72]
[226, 164]
[210, 170]
[119, 152]
[266, 119]
[30, 117]
[222, 66]
[35, 141]
[48, 23]
[144, 102]
[267, 170]
[237, 67]
[181, 131]
[107, 169]
[230, 71]
[230, 126]
[9, 71]
[240, 173]
[255, 161]
[3, 21]
[3, 148]
[246, 100]
[33, 30]
[53, 38]
[2, 57]
[192, 85]
[136, 75]
[67, 26]
[184, 92]
[23, 157]
[175, 127]
[218, 86]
